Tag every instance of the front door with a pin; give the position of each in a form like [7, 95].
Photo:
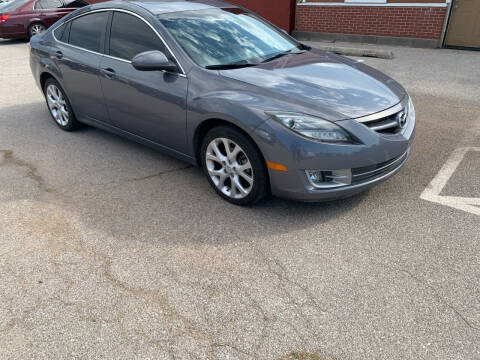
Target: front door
[464, 26]
[149, 104]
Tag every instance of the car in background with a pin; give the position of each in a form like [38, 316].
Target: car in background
[26, 18]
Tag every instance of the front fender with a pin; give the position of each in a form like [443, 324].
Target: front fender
[242, 109]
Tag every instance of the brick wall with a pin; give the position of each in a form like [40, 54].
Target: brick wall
[279, 12]
[398, 21]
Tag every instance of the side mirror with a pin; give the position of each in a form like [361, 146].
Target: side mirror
[153, 61]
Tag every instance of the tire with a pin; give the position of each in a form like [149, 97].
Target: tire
[240, 178]
[36, 28]
[59, 106]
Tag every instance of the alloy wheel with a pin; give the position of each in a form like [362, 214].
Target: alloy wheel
[36, 29]
[229, 168]
[57, 105]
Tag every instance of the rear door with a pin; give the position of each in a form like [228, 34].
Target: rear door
[150, 104]
[79, 51]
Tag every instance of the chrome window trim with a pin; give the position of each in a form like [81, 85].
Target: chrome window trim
[384, 113]
[182, 74]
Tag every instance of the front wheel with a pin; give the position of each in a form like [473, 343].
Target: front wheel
[234, 166]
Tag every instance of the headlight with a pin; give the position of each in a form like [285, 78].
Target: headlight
[312, 127]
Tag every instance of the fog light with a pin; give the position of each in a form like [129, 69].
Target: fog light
[315, 176]
[324, 179]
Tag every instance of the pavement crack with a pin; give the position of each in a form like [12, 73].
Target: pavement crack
[162, 303]
[435, 294]
[142, 178]
[160, 173]
[240, 351]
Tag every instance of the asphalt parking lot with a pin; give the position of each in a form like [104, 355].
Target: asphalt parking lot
[111, 250]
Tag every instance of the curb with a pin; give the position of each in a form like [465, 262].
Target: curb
[381, 54]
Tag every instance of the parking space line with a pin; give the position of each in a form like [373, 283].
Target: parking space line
[433, 190]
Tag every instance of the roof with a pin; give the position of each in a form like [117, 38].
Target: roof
[167, 6]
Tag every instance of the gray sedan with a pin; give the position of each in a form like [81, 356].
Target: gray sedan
[219, 87]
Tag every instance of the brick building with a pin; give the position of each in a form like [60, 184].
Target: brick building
[423, 23]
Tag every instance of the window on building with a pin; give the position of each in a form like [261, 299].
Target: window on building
[367, 1]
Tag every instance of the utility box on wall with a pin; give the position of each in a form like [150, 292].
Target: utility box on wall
[279, 12]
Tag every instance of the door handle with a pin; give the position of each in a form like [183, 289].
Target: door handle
[58, 54]
[42, 15]
[109, 72]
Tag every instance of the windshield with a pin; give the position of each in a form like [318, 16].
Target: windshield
[225, 36]
[13, 5]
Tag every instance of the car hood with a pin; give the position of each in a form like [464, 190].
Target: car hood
[335, 86]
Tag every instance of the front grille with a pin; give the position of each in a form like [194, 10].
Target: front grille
[387, 125]
[364, 174]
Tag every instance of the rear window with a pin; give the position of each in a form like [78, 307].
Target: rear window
[87, 31]
[48, 4]
[74, 3]
[14, 5]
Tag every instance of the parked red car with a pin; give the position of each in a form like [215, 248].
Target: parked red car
[25, 18]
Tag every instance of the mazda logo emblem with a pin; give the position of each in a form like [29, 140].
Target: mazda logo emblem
[402, 119]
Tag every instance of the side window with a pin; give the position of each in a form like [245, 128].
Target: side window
[48, 4]
[61, 33]
[74, 3]
[66, 32]
[87, 31]
[130, 36]
[58, 32]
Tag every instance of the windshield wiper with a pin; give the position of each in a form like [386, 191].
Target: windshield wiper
[280, 54]
[228, 66]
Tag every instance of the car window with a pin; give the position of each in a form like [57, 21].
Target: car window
[130, 36]
[87, 31]
[14, 5]
[74, 3]
[66, 33]
[58, 32]
[48, 4]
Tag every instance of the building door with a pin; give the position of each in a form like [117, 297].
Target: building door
[464, 26]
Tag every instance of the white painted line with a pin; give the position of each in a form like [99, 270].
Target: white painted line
[433, 190]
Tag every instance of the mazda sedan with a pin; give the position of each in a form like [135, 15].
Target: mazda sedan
[217, 86]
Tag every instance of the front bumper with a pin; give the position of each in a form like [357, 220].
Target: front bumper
[310, 193]
[378, 158]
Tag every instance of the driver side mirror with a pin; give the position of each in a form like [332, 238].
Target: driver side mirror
[153, 60]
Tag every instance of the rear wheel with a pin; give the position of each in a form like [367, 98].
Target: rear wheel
[35, 29]
[59, 106]
[234, 166]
